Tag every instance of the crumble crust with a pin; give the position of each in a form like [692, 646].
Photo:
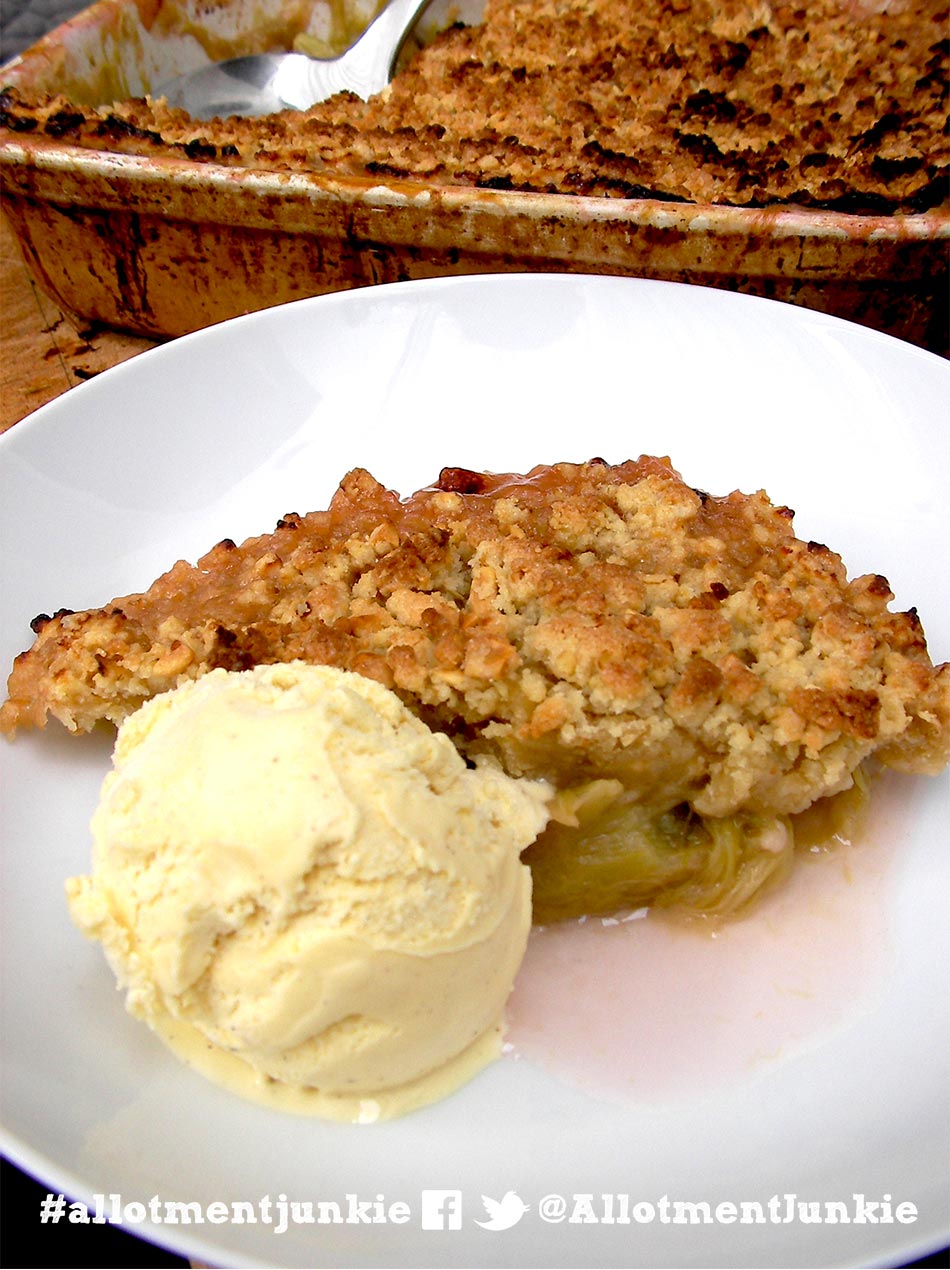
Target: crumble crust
[583, 621]
[839, 104]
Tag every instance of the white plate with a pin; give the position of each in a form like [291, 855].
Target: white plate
[222, 432]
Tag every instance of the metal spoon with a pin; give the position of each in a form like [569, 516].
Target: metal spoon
[267, 82]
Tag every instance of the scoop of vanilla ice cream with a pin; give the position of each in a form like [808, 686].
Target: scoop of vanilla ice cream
[288, 861]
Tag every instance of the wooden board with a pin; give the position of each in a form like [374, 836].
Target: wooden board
[45, 352]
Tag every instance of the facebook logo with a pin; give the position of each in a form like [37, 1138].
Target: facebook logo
[441, 1210]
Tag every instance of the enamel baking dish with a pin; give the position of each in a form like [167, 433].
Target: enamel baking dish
[163, 245]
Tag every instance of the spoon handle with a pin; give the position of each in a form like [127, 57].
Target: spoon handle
[370, 61]
[365, 68]
[268, 82]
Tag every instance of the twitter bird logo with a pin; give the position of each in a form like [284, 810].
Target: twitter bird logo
[502, 1213]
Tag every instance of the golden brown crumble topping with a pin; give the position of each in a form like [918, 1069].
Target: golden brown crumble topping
[839, 104]
[580, 622]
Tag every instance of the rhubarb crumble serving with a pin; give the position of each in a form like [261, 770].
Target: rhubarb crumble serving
[692, 677]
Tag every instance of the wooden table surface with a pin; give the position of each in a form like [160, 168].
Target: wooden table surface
[45, 352]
